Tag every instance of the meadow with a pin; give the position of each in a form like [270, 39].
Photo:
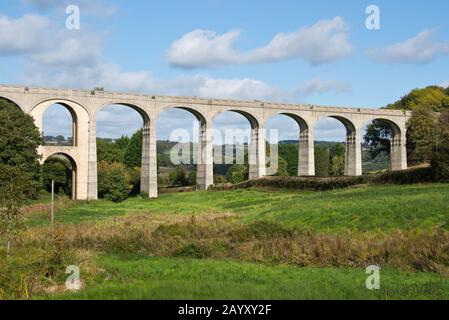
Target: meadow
[240, 244]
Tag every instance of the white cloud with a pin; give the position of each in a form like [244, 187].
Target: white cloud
[204, 48]
[319, 86]
[70, 50]
[58, 58]
[22, 35]
[323, 42]
[422, 48]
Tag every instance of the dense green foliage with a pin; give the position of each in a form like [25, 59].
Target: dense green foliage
[421, 134]
[59, 170]
[440, 157]
[321, 161]
[113, 181]
[289, 153]
[19, 167]
[238, 173]
[19, 139]
[180, 178]
[133, 154]
[422, 102]
[434, 97]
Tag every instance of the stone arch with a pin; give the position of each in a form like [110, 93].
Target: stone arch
[398, 151]
[74, 169]
[203, 150]
[353, 147]
[306, 156]
[11, 101]
[252, 119]
[145, 116]
[256, 148]
[79, 151]
[148, 158]
[80, 118]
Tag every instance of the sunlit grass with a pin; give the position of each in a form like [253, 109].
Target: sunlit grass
[134, 277]
[361, 209]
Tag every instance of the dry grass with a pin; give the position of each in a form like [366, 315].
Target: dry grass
[223, 236]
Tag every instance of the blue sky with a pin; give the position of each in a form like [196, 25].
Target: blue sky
[295, 51]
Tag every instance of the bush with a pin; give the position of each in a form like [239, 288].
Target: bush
[178, 178]
[219, 179]
[113, 181]
[238, 173]
[410, 176]
[134, 180]
[300, 183]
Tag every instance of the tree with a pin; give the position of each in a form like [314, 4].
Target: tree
[19, 139]
[178, 178]
[440, 158]
[113, 181]
[133, 155]
[433, 98]
[378, 137]
[290, 152]
[110, 151]
[282, 168]
[337, 159]
[238, 173]
[17, 185]
[19, 166]
[422, 128]
[321, 161]
[192, 179]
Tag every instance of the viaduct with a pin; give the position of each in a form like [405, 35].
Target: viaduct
[85, 105]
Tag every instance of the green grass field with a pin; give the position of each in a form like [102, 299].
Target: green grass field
[146, 249]
[366, 208]
[134, 277]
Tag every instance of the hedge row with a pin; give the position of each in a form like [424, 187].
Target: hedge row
[298, 183]
[410, 176]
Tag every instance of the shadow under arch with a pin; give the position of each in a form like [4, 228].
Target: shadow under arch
[73, 166]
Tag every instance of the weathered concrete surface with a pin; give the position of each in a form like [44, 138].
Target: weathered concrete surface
[84, 106]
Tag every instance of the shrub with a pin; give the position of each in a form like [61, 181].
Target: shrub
[113, 181]
[238, 173]
[410, 176]
[300, 183]
[178, 178]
